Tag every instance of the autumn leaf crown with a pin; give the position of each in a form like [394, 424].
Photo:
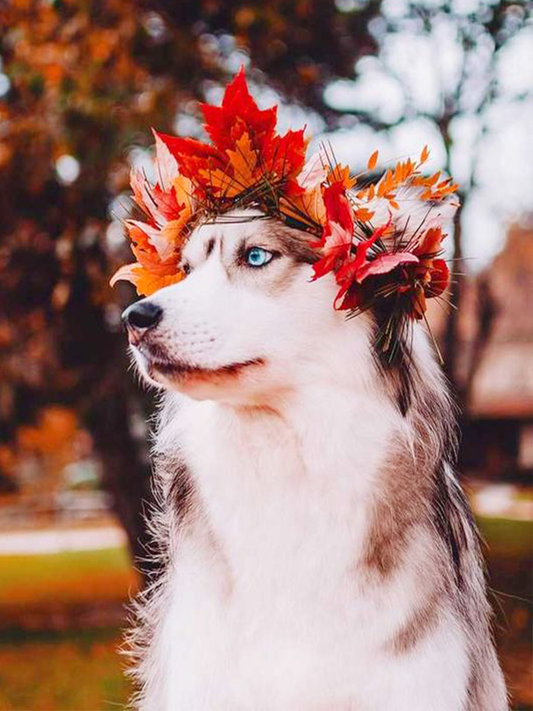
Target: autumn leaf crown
[381, 239]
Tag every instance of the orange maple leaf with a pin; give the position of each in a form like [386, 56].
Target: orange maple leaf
[146, 282]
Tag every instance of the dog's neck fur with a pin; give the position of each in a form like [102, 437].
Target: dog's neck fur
[333, 428]
[268, 477]
[289, 494]
[340, 419]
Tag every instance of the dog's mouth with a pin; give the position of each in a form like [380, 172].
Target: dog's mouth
[182, 370]
[157, 363]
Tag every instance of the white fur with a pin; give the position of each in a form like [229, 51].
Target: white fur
[281, 621]
[266, 605]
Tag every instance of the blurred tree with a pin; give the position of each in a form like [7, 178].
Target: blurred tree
[440, 61]
[80, 84]
[299, 45]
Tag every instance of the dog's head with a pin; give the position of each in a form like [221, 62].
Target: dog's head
[246, 323]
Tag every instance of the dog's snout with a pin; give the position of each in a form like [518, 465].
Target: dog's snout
[141, 316]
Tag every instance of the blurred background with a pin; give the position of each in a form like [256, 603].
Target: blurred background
[81, 83]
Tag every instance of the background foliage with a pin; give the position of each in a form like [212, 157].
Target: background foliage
[81, 82]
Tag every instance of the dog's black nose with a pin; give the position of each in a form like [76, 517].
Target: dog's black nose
[142, 315]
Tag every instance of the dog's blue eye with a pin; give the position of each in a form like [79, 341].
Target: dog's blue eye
[258, 257]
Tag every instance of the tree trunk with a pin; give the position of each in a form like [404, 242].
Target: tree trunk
[126, 468]
[451, 336]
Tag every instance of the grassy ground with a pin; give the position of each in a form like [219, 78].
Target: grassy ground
[65, 591]
[60, 616]
[56, 651]
[62, 672]
[71, 577]
[509, 553]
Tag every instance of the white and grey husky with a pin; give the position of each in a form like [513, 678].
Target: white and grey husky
[318, 552]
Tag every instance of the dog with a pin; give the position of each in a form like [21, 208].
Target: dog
[317, 552]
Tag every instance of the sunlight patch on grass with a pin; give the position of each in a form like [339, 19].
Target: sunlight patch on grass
[71, 577]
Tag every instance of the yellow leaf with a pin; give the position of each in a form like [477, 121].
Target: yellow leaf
[184, 190]
[128, 272]
[341, 173]
[243, 160]
[372, 161]
[147, 283]
[385, 184]
[347, 180]
[172, 232]
[424, 155]
[363, 214]
[310, 204]
[225, 185]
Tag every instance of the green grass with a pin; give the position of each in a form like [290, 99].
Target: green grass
[62, 578]
[507, 538]
[62, 672]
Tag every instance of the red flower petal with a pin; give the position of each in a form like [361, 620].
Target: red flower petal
[430, 243]
[440, 277]
[338, 208]
[384, 264]
[363, 247]
[336, 245]
[329, 261]
[346, 279]
[348, 299]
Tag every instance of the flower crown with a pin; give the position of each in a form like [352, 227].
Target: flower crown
[382, 240]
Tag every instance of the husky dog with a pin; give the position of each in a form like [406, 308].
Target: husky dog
[318, 553]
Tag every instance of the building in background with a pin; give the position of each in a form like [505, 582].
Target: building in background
[496, 339]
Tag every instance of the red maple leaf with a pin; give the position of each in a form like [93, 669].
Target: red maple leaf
[237, 122]
[239, 113]
[192, 155]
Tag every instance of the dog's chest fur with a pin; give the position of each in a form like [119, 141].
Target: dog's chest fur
[276, 489]
[271, 600]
